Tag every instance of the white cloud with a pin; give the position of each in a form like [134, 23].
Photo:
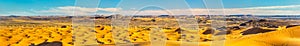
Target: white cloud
[22, 13]
[2, 15]
[261, 12]
[267, 10]
[69, 10]
[275, 7]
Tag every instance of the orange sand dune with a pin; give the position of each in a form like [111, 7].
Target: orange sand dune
[281, 37]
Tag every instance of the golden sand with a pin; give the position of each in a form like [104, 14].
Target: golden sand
[24, 33]
[26, 36]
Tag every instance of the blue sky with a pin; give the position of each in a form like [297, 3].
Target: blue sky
[32, 7]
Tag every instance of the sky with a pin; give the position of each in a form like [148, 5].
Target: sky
[148, 7]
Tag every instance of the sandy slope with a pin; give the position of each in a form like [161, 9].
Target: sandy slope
[281, 37]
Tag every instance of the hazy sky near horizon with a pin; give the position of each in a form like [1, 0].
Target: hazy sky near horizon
[65, 7]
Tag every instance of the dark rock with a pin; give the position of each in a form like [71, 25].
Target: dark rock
[243, 24]
[289, 26]
[102, 28]
[69, 17]
[207, 40]
[223, 33]
[208, 31]
[262, 20]
[255, 30]
[249, 21]
[236, 27]
[273, 24]
[72, 43]
[179, 30]
[98, 17]
[64, 26]
[264, 23]
[50, 44]
[199, 20]
[13, 16]
[233, 28]
[153, 20]
[98, 26]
